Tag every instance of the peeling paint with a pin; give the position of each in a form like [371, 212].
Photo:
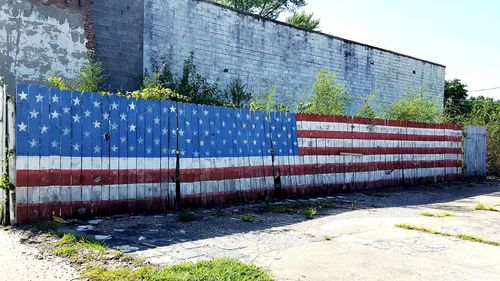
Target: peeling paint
[35, 41]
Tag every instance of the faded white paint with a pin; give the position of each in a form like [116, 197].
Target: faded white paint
[37, 41]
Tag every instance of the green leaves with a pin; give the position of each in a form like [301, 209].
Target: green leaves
[415, 105]
[304, 20]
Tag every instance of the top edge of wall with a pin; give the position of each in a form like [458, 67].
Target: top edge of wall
[316, 32]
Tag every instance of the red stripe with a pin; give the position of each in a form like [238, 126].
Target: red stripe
[380, 122]
[95, 177]
[374, 136]
[331, 168]
[377, 150]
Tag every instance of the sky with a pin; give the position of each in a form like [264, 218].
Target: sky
[463, 35]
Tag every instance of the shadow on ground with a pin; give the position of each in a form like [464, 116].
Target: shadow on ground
[143, 232]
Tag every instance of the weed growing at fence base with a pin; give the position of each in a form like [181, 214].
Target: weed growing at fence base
[247, 218]
[466, 237]
[219, 269]
[437, 215]
[483, 207]
[310, 213]
[186, 216]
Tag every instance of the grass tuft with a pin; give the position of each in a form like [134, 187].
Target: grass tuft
[437, 215]
[310, 213]
[327, 238]
[186, 216]
[483, 207]
[466, 237]
[247, 218]
[219, 269]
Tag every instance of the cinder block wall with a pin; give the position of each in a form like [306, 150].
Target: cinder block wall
[228, 44]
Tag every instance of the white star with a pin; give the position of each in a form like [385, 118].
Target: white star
[188, 141]
[76, 147]
[165, 110]
[33, 142]
[86, 134]
[149, 130]
[141, 117]
[132, 106]
[55, 115]
[164, 131]
[205, 112]
[22, 127]
[254, 142]
[66, 110]
[44, 129]
[206, 133]
[181, 133]
[157, 141]
[132, 148]
[201, 122]
[196, 154]
[97, 124]
[202, 143]
[174, 132]
[150, 109]
[96, 104]
[238, 115]
[195, 112]
[76, 118]
[223, 124]
[105, 116]
[114, 126]
[123, 139]
[97, 149]
[55, 99]
[183, 152]
[148, 150]
[66, 131]
[114, 148]
[87, 113]
[39, 98]
[157, 120]
[23, 96]
[172, 109]
[123, 116]
[164, 150]
[76, 101]
[131, 128]
[54, 144]
[34, 114]
[140, 140]
[114, 105]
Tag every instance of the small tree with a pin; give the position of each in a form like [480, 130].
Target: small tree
[304, 20]
[237, 93]
[455, 94]
[266, 8]
[329, 97]
[415, 105]
[367, 109]
[90, 79]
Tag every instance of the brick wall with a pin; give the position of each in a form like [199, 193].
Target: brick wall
[118, 28]
[228, 44]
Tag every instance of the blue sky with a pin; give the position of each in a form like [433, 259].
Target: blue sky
[464, 35]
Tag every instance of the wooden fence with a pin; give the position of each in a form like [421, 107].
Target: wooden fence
[87, 154]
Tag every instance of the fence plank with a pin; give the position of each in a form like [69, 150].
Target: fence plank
[114, 155]
[81, 145]
[123, 150]
[475, 152]
[54, 148]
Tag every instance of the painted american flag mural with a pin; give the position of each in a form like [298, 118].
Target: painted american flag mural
[87, 153]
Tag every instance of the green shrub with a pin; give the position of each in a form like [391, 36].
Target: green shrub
[237, 93]
[158, 93]
[415, 105]
[328, 96]
[266, 102]
[90, 79]
[367, 108]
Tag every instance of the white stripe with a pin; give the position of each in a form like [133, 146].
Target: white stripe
[234, 185]
[346, 127]
[206, 163]
[66, 194]
[359, 177]
[320, 142]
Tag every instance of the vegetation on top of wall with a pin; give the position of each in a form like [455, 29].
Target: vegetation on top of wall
[415, 105]
[368, 109]
[90, 79]
[267, 102]
[328, 96]
[266, 8]
[303, 20]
